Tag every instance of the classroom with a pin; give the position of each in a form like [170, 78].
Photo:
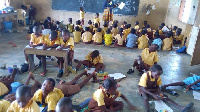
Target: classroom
[81, 55]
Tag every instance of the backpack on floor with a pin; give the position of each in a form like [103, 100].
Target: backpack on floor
[24, 67]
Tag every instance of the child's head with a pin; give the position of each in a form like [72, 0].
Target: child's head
[49, 18]
[156, 71]
[156, 35]
[94, 54]
[105, 24]
[110, 85]
[96, 25]
[77, 28]
[129, 25]
[87, 28]
[46, 26]
[121, 30]
[136, 23]
[145, 22]
[108, 31]
[178, 31]
[153, 48]
[64, 105]
[98, 29]
[37, 31]
[65, 34]
[23, 7]
[48, 85]
[70, 20]
[175, 28]
[163, 24]
[97, 15]
[89, 22]
[81, 8]
[115, 25]
[132, 30]
[78, 22]
[148, 26]
[143, 32]
[168, 34]
[160, 27]
[58, 22]
[124, 23]
[23, 95]
[53, 35]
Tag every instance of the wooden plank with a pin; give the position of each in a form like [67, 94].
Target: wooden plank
[8, 14]
[195, 60]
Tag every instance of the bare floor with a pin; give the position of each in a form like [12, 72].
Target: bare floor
[117, 60]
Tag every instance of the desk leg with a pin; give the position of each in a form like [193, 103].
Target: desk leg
[66, 70]
[31, 62]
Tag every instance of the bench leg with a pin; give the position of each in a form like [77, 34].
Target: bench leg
[31, 62]
[66, 70]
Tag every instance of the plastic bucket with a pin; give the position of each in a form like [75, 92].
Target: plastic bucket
[10, 70]
[27, 20]
[14, 86]
[7, 25]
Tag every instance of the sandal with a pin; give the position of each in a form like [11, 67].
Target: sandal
[60, 81]
[43, 74]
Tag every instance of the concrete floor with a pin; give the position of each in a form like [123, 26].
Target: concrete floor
[176, 68]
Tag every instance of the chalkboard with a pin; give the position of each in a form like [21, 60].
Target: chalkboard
[94, 6]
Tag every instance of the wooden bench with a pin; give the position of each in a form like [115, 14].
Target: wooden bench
[52, 52]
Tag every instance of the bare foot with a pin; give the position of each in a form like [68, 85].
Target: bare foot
[30, 76]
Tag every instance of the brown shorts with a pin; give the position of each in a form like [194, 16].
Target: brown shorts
[69, 90]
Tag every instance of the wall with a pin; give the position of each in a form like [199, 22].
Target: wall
[156, 17]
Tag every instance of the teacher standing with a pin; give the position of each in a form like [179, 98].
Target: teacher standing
[108, 10]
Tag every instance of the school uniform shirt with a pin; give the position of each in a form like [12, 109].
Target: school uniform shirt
[126, 32]
[143, 42]
[70, 27]
[137, 27]
[77, 36]
[82, 13]
[37, 40]
[95, 30]
[51, 43]
[30, 107]
[159, 42]
[179, 38]
[87, 36]
[21, 14]
[96, 20]
[46, 31]
[97, 37]
[114, 31]
[144, 78]
[108, 39]
[104, 30]
[70, 42]
[98, 96]
[131, 40]
[120, 39]
[80, 27]
[4, 105]
[91, 27]
[98, 59]
[167, 44]
[52, 98]
[160, 32]
[3, 89]
[149, 58]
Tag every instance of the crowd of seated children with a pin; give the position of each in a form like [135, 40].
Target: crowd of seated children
[87, 36]
[120, 38]
[77, 35]
[97, 37]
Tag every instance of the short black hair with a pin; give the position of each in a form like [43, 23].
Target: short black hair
[125, 22]
[98, 29]
[175, 27]
[78, 22]
[54, 33]
[145, 22]
[160, 27]
[77, 28]
[156, 68]
[57, 22]
[129, 25]
[168, 35]
[179, 30]
[105, 24]
[96, 25]
[48, 18]
[97, 14]
[52, 81]
[89, 22]
[148, 26]
[109, 82]
[54, 28]
[95, 53]
[144, 32]
[156, 35]
[87, 28]
[121, 29]
[23, 91]
[70, 19]
[36, 29]
[115, 25]
[108, 31]
[162, 24]
[46, 26]
[65, 101]
[126, 26]
[65, 31]
[137, 23]
[23, 7]
[132, 30]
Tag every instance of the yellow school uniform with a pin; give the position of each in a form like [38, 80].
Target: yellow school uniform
[114, 31]
[59, 33]
[77, 36]
[30, 107]
[120, 40]
[91, 27]
[95, 30]
[98, 96]
[137, 27]
[52, 98]
[70, 27]
[97, 37]
[149, 58]
[82, 14]
[3, 89]
[104, 30]
[4, 105]
[160, 32]
[80, 27]
[126, 32]
[167, 44]
[87, 36]
[51, 43]
[143, 42]
[144, 78]
[96, 20]
[108, 39]
[70, 42]
[179, 38]
[37, 40]
[98, 59]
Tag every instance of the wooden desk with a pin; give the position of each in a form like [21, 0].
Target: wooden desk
[53, 52]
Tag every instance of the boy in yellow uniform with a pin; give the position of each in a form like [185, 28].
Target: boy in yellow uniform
[149, 85]
[143, 41]
[137, 27]
[95, 28]
[90, 25]
[167, 42]
[127, 30]
[66, 42]
[82, 15]
[178, 38]
[48, 95]
[77, 35]
[174, 30]
[78, 23]
[87, 36]
[103, 100]
[51, 41]
[64, 105]
[108, 38]
[160, 30]
[148, 58]
[105, 27]
[70, 26]
[4, 105]
[97, 19]
[23, 102]
[115, 30]
[120, 39]
[97, 37]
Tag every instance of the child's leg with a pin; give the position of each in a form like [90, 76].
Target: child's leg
[85, 62]
[117, 105]
[72, 82]
[70, 56]
[8, 81]
[99, 66]
[44, 64]
[137, 65]
[85, 81]
[26, 57]
[146, 101]
[173, 84]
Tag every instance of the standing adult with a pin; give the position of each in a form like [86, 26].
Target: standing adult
[108, 10]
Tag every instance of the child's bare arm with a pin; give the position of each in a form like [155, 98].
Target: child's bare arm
[150, 93]
[189, 86]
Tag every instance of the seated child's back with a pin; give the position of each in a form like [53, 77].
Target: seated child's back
[108, 37]
[167, 42]
[143, 40]
[77, 34]
[114, 31]
[97, 37]
[87, 36]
